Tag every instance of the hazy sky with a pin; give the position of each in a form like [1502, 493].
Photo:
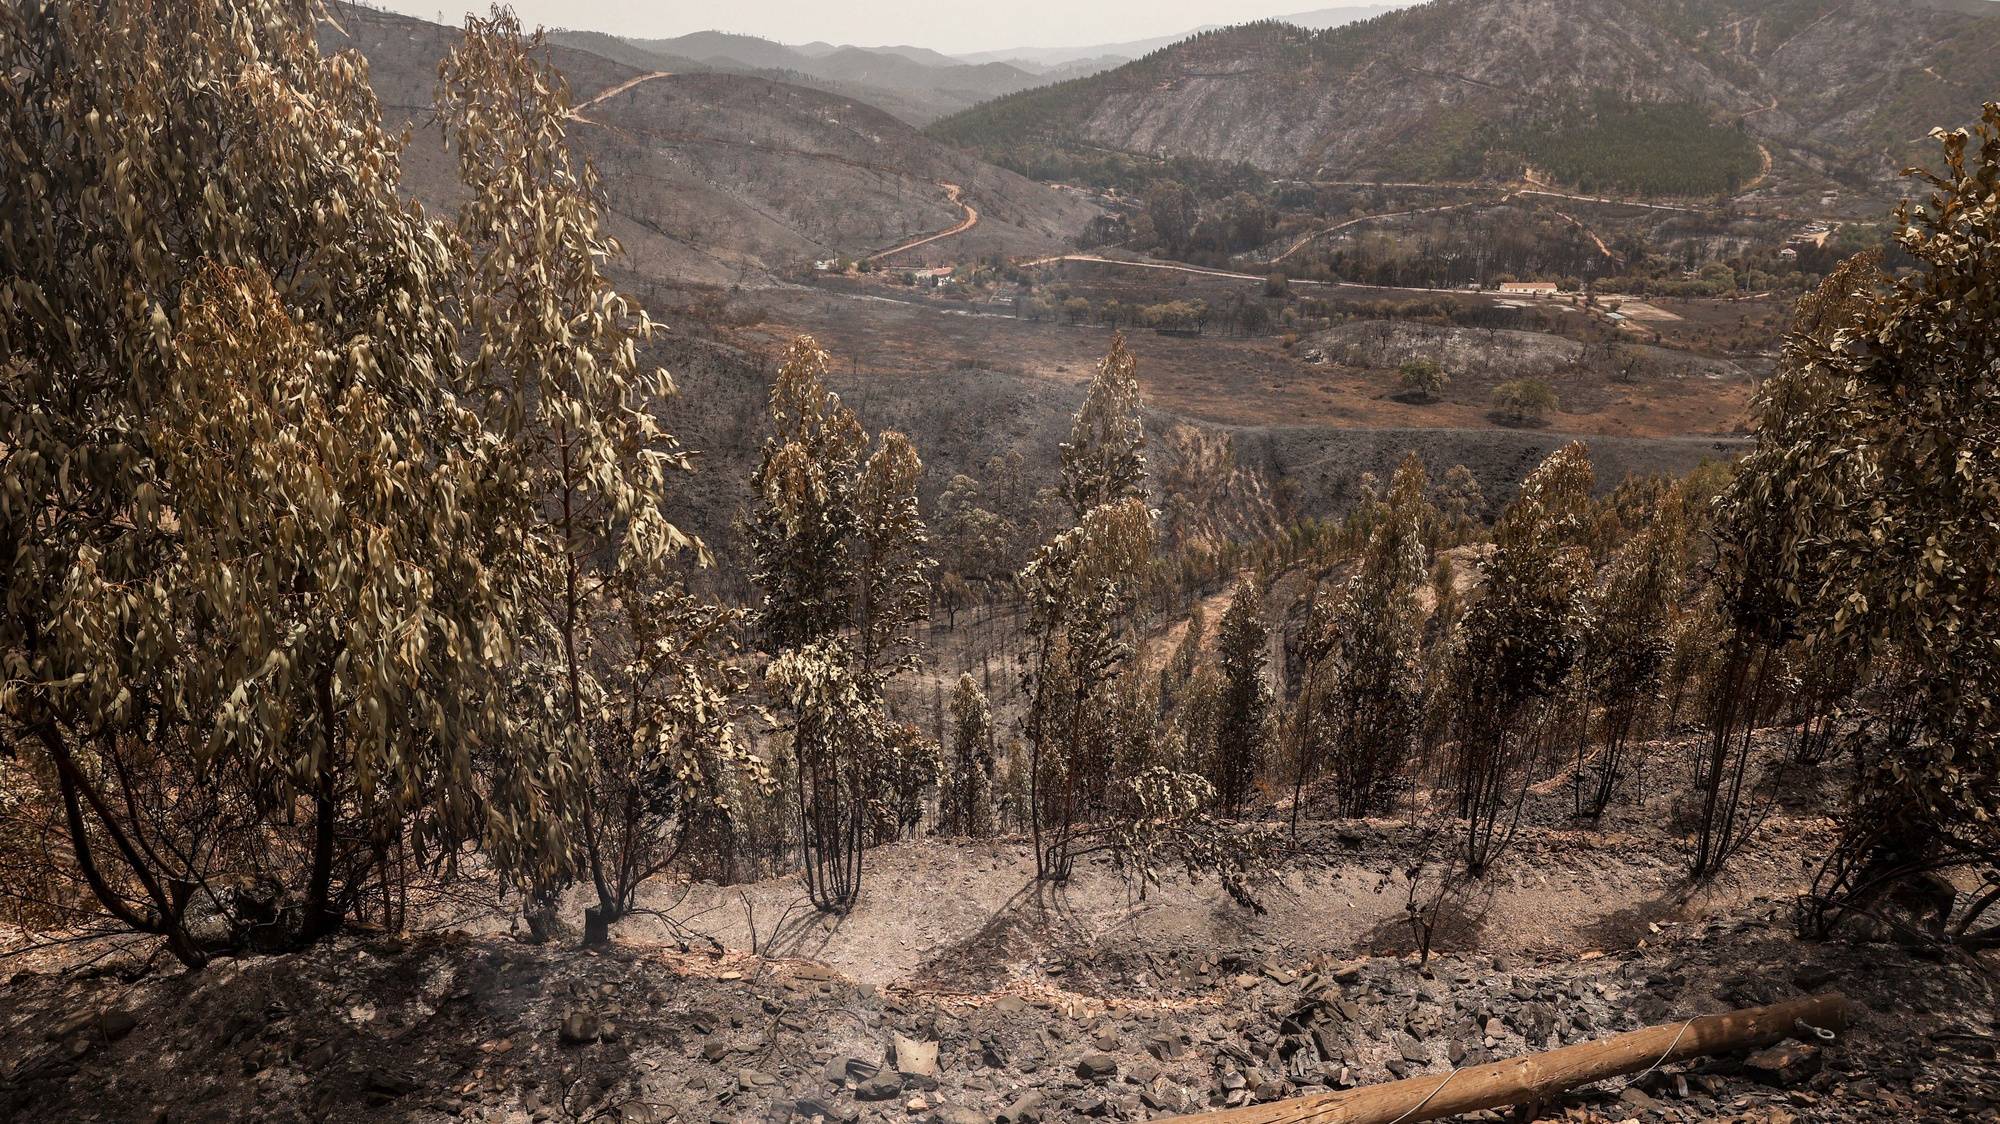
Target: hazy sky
[945, 25]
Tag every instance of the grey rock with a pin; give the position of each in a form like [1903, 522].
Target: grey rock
[1093, 1104]
[1097, 1067]
[1784, 1065]
[1638, 1101]
[1536, 1022]
[881, 1087]
[810, 1107]
[117, 1023]
[1026, 1107]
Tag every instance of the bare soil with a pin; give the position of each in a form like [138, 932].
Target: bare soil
[1086, 1000]
[1258, 380]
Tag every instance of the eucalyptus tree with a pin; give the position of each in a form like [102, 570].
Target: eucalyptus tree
[255, 630]
[1626, 644]
[1079, 588]
[1375, 683]
[1767, 531]
[1517, 644]
[588, 469]
[1242, 720]
[1893, 467]
[843, 563]
[967, 804]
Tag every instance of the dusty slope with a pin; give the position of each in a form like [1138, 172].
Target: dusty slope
[762, 172]
[725, 178]
[919, 86]
[1839, 89]
[1045, 1006]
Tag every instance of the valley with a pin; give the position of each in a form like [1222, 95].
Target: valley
[811, 214]
[1263, 575]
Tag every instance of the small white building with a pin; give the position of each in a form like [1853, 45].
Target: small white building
[1530, 288]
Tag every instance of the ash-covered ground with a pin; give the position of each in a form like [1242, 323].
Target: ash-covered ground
[960, 990]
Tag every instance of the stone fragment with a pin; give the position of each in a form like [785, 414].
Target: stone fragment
[881, 1087]
[1026, 1108]
[117, 1023]
[1784, 1065]
[579, 1027]
[1097, 1067]
[811, 1107]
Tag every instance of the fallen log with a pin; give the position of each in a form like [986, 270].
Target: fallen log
[1536, 1077]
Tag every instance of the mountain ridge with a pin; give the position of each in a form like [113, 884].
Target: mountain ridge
[720, 178]
[1449, 89]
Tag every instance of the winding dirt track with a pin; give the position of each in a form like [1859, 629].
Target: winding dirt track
[1340, 226]
[971, 219]
[578, 112]
[1199, 271]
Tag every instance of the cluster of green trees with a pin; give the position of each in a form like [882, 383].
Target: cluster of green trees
[1176, 222]
[1525, 401]
[1613, 144]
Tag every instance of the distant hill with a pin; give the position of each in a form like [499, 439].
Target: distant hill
[915, 84]
[1650, 96]
[1057, 57]
[724, 178]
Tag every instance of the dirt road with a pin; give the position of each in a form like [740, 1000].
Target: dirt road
[1169, 267]
[578, 112]
[1201, 271]
[971, 219]
[1610, 202]
[1357, 221]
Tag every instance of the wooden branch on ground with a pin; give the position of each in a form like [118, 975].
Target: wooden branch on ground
[1536, 1077]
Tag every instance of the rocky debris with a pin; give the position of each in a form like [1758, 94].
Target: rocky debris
[461, 1028]
[1097, 1067]
[882, 1087]
[1784, 1065]
[578, 1028]
[1023, 1109]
